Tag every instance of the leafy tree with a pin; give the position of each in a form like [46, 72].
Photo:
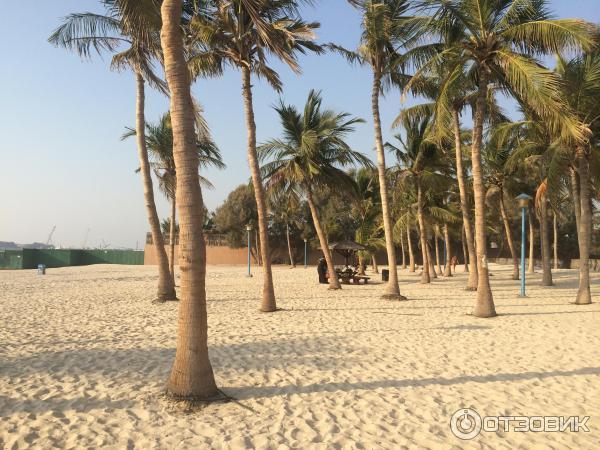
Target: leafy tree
[311, 152]
[132, 25]
[366, 208]
[581, 83]
[498, 41]
[242, 33]
[386, 27]
[159, 141]
[236, 212]
[496, 156]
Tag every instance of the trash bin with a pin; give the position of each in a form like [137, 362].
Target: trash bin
[41, 269]
[385, 275]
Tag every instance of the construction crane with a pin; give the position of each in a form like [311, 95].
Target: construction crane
[49, 240]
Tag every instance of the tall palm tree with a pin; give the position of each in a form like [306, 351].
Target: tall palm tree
[192, 375]
[532, 156]
[404, 199]
[159, 141]
[413, 155]
[133, 26]
[285, 206]
[498, 41]
[386, 27]
[496, 156]
[366, 209]
[241, 33]
[581, 84]
[312, 152]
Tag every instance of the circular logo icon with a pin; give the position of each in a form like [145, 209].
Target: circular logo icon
[465, 424]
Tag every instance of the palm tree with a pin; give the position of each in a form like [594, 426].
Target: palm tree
[496, 155]
[133, 25]
[414, 156]
[498, 41]
[385, 28]
[192, 375]
[581, 82]
[366, 210]
[404, 199]
[159, 141]
[285, 206]
[311, 153]
[241, 33]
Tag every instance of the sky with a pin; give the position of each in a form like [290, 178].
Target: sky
[62, 162]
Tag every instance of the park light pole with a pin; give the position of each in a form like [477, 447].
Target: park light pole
[249, 229]
[305, 253]
[523, 204]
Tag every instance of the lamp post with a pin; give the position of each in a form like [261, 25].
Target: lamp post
[249, 229]
[523, 203]
[305, 253]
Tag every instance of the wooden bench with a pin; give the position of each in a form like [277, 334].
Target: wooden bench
[365, 279]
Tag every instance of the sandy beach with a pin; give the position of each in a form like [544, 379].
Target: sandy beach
[84, 356]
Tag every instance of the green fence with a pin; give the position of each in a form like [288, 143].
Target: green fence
[11, 259]
[31, 258]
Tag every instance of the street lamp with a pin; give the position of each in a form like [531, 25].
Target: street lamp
[523, 204]
[305, 253]
[249, 229]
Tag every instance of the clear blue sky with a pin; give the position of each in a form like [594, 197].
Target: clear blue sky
[61, 160]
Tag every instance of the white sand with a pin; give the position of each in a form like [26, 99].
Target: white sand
[84, 355]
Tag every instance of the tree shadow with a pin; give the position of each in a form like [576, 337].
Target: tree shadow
[254, 392]
[547, 313]
[11, 405]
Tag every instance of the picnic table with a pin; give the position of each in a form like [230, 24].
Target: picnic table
[348, 275]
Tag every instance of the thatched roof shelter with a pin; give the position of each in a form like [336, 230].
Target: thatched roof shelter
[346, 248]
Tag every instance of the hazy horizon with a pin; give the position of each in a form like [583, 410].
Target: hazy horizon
[62, 160]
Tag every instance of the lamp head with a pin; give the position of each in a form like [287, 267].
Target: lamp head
[524, 200]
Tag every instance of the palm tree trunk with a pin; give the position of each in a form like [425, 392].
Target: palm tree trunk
[334, 282]
[425, 277]
[531, 268]
[484, 306]
[166, 286]
[575, 192]
[545, 243]
[374, 265]
[289, 244]
[584, 296]
[172, 236]
[555, 236]
[403, 250]
[411, 254]
[437, 249]
[447, 268]
[268, 300]
[509, 237]
[257, 248]
[192, 375]
[464, 205]
[430, 260]
[361, 264]
[392, 291]
[465, 253]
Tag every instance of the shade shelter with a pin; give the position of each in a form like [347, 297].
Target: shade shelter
[346, 248]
